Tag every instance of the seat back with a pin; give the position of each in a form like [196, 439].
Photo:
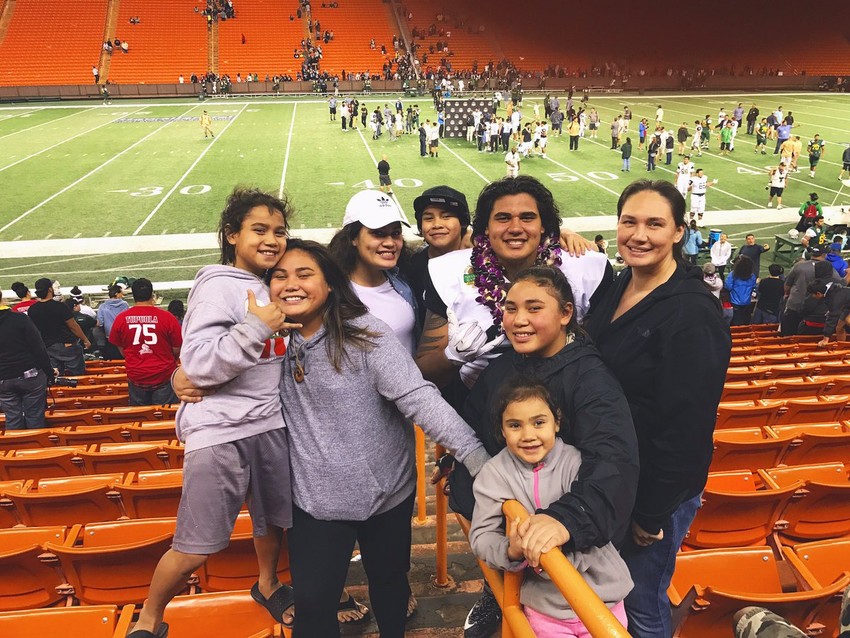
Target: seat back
[61, 418]
[747, 449]
[153, 494]
[824, 560]
[817, 443]
[146, 431]
[28, 580]
[69, 501]
[812, 410]
[23, 439]
[34, 464]
[745, 568]
[732, 415]
[105, 621]
[124, 457]
[233, 614]
[89, 435]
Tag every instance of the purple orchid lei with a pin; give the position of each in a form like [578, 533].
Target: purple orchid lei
[490, 275]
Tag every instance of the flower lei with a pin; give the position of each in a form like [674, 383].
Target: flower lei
[490, 275]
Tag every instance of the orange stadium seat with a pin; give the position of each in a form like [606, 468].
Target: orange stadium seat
[709, 586]
[232, 614]
[46, 463]
[103, 401]
[113, 563]
[810, 410]
[745, 390]
[748, 449]
[67, 501]
[150, 431]
[817, 443]
[101, 379]
[745, 414]
[151, 494]
[834, 367]
[62, 418]
[236, 567]
[796, 388]
[8, 514]
[744, 373]
[737, 518]
[125, 414]
[125, 457]
[28, 577]
[84, 436]
[821, 507]
[104, 621]
[23, 439]
[81, 391]
[820, 562]
[837, 384]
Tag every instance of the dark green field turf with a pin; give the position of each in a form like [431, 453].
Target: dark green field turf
[80, 171]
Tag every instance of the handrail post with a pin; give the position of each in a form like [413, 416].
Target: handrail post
[441, 502]
[421, 478]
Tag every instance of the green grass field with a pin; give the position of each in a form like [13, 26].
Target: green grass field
[93, 171]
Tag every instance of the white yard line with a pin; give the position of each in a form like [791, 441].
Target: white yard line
[23, 130]
[582, 176]
[286, 156]
[73, 137]
[465, 163]
[91, 172]
[188, 170]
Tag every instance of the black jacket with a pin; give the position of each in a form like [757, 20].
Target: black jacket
[21, 347]
[595, 419]
[670, 353]
[838, 304]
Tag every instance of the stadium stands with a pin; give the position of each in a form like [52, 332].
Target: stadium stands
[170, 40]
[52, 42]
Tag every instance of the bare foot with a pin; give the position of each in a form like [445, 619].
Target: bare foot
[412, 605]
[358, 612]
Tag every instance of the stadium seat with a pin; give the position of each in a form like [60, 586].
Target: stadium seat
[838, 383]
[85, 436]
[745, 390]
[821, 507]
[790, 388]
[126, 414]
[100, 379]
[236, 567]
[68, 501]
[744, 414]
[81, 390]
[35, 463]
[743, 373]
[816, 443]
[28, 576]
[104, 401]
[62, 418]
[151, 494]
[8, 514]
[113, 563]
[821, 562]
[738, 518]
[231, 614]
[24, 439]
[150, 431]
[125, 457]
[835, 368]
[708, 587]
[104, 621]
[811, 410]
[748, 449]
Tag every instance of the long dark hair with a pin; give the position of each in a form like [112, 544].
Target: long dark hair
[521, 388]
[341, 307]
[669, 192]
[554, 282]
[345, 254]
[743, 269]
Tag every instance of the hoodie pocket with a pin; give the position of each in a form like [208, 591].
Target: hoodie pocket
[339, 491]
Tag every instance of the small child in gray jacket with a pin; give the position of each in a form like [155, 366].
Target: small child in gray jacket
[535, 468]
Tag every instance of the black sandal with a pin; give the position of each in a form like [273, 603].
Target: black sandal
[281, 601]
[352, 604]
[162, 632]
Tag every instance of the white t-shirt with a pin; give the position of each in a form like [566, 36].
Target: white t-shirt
[684, 171]
[777, 179]
[391, 308]
[698, 185]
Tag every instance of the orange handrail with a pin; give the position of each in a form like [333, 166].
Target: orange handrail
[595, 615]
[441, 579]
[421, 513]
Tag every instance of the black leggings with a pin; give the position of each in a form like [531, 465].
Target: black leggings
[319, 556]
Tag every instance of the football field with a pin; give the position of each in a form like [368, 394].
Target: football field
[93, 191]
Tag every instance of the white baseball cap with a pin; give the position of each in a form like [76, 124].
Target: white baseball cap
[373, 209]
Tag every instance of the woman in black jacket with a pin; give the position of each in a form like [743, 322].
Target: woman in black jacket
[662, 334]
[539, 321]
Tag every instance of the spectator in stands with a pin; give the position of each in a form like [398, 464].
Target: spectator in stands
[149, 339]
[106, 313]
[25, 296]
[834, 257]
[770, 291]
[25, 371]
[62, 335]
[176, 308]
[86, 322]
[674, 414]
[693, 242]
[759, 622]
[797, 282]
[813, 320]
[741, 283]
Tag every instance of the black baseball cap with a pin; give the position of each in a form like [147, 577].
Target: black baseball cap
[42, 286]
[817, 251]
[142, 289]
[445, 198]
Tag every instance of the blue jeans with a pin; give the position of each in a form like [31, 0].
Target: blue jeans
[651, 568]
[760, 316]
[23, 401]
[627, 163]
[151, 395]
[67, 358]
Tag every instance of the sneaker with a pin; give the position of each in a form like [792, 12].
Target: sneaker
[484, 619]
[770, 204]
[779, 207]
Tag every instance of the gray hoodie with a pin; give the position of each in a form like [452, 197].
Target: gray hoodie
[224, 344]
[506, 477]
[351, 445]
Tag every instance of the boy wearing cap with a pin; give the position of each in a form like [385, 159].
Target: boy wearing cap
[149, 339]
[106, 313]
[59, 331]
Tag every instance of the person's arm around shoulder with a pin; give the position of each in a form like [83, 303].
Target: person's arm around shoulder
[431, 353]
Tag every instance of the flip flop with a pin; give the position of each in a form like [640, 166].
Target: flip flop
[162, 632]
[278, 604]
[413, 611]
[352, 604]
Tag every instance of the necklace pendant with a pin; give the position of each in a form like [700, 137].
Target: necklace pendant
[298, 373]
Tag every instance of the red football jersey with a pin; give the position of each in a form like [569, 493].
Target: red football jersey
[147, 335]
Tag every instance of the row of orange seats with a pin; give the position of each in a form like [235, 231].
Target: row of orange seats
[103, 416]
[91, 498]
[764, 447]
[112, 563]
[84, 459]
[783, 504]
[232, 614]
[786, 387]
[134, 431]
[792, 369]
[709, 586]
[769, 412]
[773, 355]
